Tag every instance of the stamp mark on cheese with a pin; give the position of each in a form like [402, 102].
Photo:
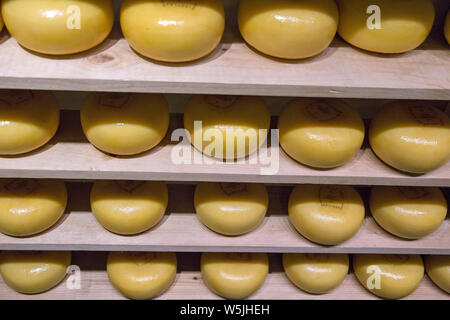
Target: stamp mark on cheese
[323, 111]
[13, 97]
[239, 256]
[22, 187]
[142, 258]
[426, 115]
[114, 100]
[188, 4]
[413, 192]
[129, 186]
[233, 188]
[396, 257]
[331, 197]
[221, 102]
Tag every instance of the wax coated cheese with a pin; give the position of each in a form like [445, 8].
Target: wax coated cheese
[142, 275]
[58, 27]
[447, 27]
[128, 207]
[321, 133]
[231, 208]
[173, 30]
[385, 26]
[389, 276]
[408, 212]
[411, 136]
[28, 120]
[438, 269]
[123, 123]
[28, 207]
[316, 273]
[234, 275]
[32, 272]
[289, 29]
[227, 127]
[327, 215]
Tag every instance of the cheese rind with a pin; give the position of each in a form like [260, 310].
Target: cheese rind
[141, 275]
[234, 275]
[173, 31]
[328, 215]
[408, 212]
[316, 273]
[447, 27]
[32, 272]
[128, 207]
[398, 275]
[385, 26]
[438, 269]
[58, 27]
[289, 29]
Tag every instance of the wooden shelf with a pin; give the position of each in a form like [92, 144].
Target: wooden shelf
[180, 231]
[70, 156]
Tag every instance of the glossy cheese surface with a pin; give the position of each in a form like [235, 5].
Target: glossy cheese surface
[390, 27]
[447, 27]
[411, 136]
[327, 215]
[438, 269]
[58, 27]
[28, 120]
[321, 133]
[389, 276]
[228, 127]
[231, 208]
[128, 207]
[316, 273]
[289, 29]
[32, 272]
[125, 124]
[141, 275]
[234, 275]
[28, 207]
[173, 31]
[408, 212]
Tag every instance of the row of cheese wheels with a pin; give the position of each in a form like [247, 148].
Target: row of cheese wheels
[324, 214]
[146, 275]
[411, 136]
[178, 31]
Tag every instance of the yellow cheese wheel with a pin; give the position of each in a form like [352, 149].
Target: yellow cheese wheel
[129, 207]
[385, 26]
[173, 30]
[408, 212]
[327, 215]
[389, 276]
[1, 21]
[411, 136]
[141, 275]
[123, 123]
[32, 272]
[447, 27]
[58, 26]
[316, 273]
[231, 208]
[28, 207]
[234, 275]
[321, 133]
[289, 29]
[228, 127]
[438, 269]
[28, 120]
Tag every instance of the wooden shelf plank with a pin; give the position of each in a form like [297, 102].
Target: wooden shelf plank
[70, 156]
[180, 231]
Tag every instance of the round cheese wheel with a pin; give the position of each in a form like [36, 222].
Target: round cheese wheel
[173, 30]
[411, 136]
[129, 207]
[28, 207]
[289, 29]
[438, 269]
[321, 133]
[1, 21]
[389, 276]
[123, 123]
[316, 273]
[234, 275]
[28, 120]
[385, 26]
[227, 127]
[447, 27]
[32, 272]
[141, 275]
[408, 212]
[231, 208]
[58, 26]
[327, 215]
